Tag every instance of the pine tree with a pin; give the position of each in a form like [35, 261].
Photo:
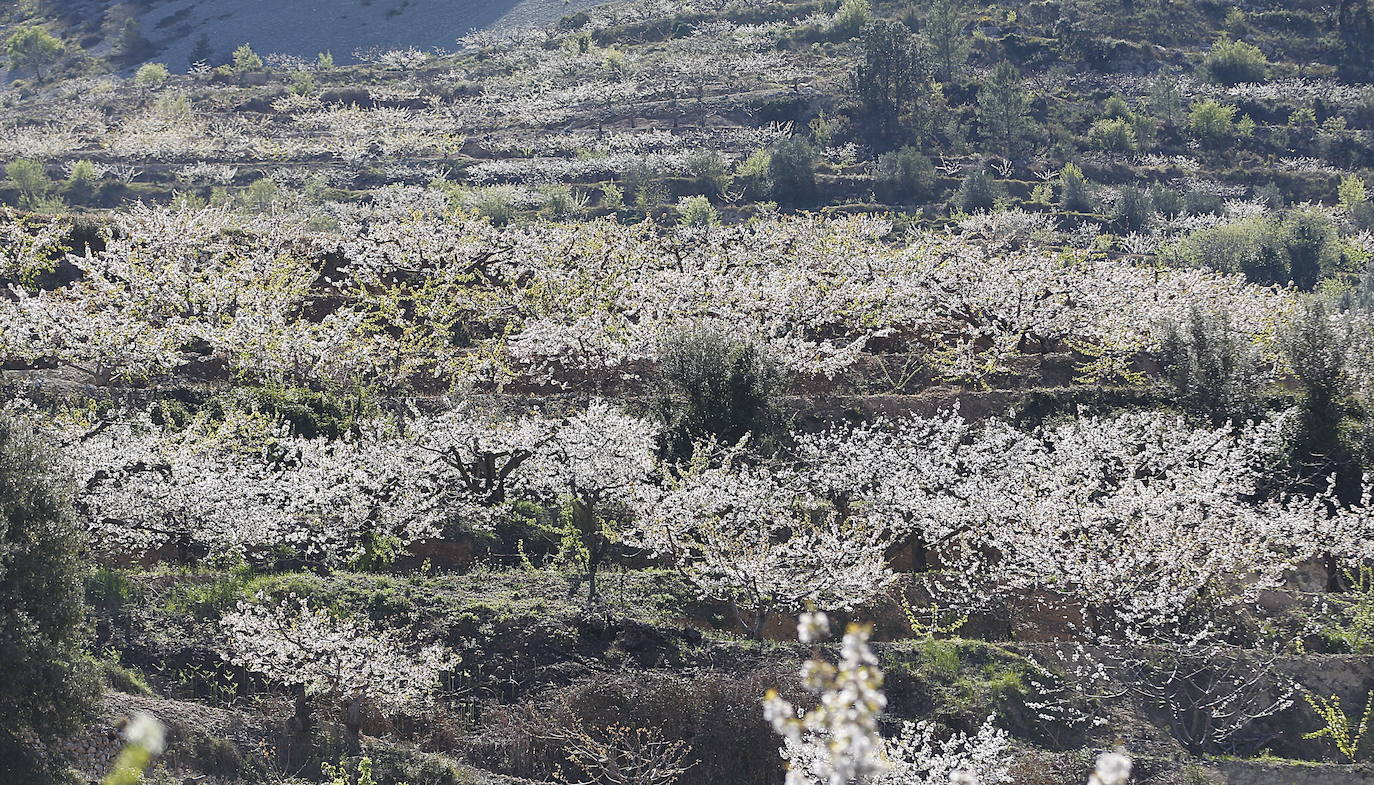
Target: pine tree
[1004, 107]
[945, 38]
[888, 78]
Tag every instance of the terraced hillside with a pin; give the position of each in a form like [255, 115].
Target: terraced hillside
[506, 413]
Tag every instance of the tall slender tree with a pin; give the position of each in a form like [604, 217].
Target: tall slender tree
[945, 37]
[1004, 107]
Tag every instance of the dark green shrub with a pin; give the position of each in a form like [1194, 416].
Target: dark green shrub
[713, 384]
[710, 170]
[976, 192]
[792, 170]
[1074, 195]
[1316, 449]
[1215, 369]
[1134, 210]
[1167, 201]
[1312, 244]
[50, 684]
[886, 80]
[1115, 135]
[904, 176]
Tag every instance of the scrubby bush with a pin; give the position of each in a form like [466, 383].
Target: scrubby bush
[792, 170]
[561, 202]
[696, 211]
[1316, 354]
[1354, 198]
[976, 192]
[1114, 135]
[1312, 243]
[1232, 62]
[81, 179]
[710, 383]
[850, 19]
[1212, 122]
[151, 75]
[245, 59]
[1074, 192]
[1167, 201]
[904, 175]
[710, 170]
[752, 174]
[49, 684]
[1134, 210]
[643, 185]
[1298, 247]
[33, 49]
[31, 179]
[498, 204]
[1214, 368]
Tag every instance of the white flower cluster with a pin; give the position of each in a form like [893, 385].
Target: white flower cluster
[585, 303]
[836, 742]
[338, 660]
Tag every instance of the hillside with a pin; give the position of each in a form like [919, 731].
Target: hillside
[501, 404]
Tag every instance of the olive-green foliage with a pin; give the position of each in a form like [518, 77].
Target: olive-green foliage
[209, 599]
[1074, 194]
[49, 684]
[904, 175]
[962, 681]
[129, 44]
[303, 83]
[1212, 122]
[260, 195]
[1215, 369]
[976, 192]
[108, 590]
[696, 211]
[752, 174]
[1113, 135]
[1318, 445]
[1232, 62]
[851, 18]
[151, 75]
[644, 186]
[1299, 246]
[496, 204]
[31, 179]
[1353, 629]
[310, 413]
[792, 170]
[118, 677]
[1134, 210]
[245, 59]
[560, 202]
[81, 180]
[713, 384]
[33, 49]
[711, 171]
